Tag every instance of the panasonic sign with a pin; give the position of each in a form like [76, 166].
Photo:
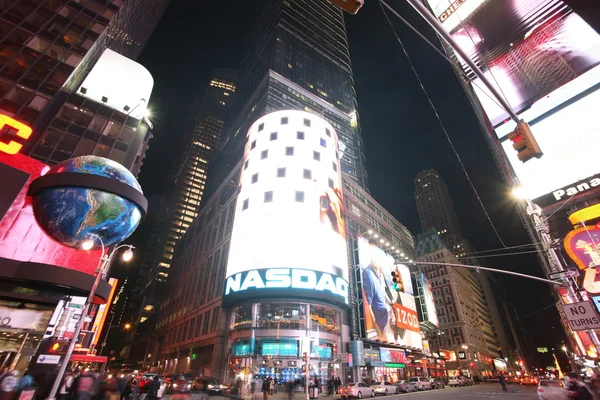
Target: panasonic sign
[298, 280]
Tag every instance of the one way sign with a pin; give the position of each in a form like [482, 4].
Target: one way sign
[581, 316]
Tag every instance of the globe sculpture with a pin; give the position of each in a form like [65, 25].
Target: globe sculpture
[72, 215]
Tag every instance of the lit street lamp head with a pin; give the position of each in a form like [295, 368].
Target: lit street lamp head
[128, 254]
[87, 244]
[519, 192]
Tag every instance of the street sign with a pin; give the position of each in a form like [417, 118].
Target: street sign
[581, 316]
[542, 349]
[344, 357]
[48, 359]
[566, 274]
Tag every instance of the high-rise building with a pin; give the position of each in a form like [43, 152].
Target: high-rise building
[434, 204]
[184, 192]
[47, 49]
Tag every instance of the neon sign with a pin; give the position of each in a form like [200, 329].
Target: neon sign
[23, 131]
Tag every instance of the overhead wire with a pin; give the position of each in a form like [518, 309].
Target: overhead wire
[505, 248]
[459, 70]
[516, 253]
[381, 3]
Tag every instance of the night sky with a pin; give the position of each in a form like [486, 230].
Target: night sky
[400, 131]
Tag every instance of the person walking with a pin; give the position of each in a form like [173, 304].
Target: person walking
[330, 387]
[83, 386]
[153, 388]
[8, 385]
[576, 389]
[338, 383]
[266, 387]
[64, 393]
[502, 381]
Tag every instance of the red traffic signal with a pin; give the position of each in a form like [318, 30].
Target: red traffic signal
[525, 143]
[352, 6]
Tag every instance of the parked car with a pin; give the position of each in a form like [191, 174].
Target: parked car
[358, 390]
[437, 383]
[512, 379]
[406, 386]
[170, 379]
[454, 382]
[422, 383]
[207, 384]
[384, 388]
[466, 380]
[550, 389]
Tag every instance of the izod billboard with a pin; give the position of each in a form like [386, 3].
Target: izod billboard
[390, 315]
[289, 235]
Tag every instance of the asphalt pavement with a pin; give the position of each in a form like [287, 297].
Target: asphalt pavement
[481, 391]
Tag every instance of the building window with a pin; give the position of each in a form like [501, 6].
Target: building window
[289, 151]
[268, 197]
[261, 127]
[245, 204]
[253, 144]
[299, 197]
[264, 154]
[334, 166]
[306, 122]
[331, 183]
[284, 120]
[300, 135]
[316, 156]
[307, 174]
[246, 164]
[255, 178]
[273, 135]
[281, 172]
[323, 143]
[327, 132]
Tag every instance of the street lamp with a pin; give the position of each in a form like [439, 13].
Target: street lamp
[101, 272]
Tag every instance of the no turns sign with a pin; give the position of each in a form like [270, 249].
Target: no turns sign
[581, 316]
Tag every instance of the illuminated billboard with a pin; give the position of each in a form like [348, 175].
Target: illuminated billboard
[527, 48]
[390, 316]
[289, 235]
[426, 300]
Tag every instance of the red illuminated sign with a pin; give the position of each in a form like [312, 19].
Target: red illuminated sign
[406, 318]
[23, 131]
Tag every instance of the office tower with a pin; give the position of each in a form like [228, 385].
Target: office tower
[304, 43]
[467, 332]
[47, 49]
[434, 204]
[183, 194]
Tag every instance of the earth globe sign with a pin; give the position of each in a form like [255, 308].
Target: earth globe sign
[72, 215]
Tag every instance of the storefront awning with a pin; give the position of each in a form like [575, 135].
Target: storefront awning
[89, 358]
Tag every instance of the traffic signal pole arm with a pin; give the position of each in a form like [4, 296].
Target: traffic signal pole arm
[477, 268]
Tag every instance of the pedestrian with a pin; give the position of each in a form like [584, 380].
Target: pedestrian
[266, 387]
[83, 386]
[153, 388]
[595, 388]
[8, 385]
[502, 381]
[338, 383]
[239, 385]
[330, 387]
[64, 393]
[271, 386]
[127, 388]
[290, 389]
[576, 389]
[26, 382]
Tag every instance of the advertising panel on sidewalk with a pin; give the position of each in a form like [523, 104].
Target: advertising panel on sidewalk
[390, 313]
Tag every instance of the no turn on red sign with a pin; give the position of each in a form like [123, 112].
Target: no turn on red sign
[581, 316]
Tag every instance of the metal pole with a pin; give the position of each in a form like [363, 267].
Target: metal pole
[437, 26]
[103, 263]
[18, 355]
[307, 376]
[476, 267]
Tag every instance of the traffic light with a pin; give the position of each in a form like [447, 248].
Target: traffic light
[352, 6]
[396, 278]
[304, 357]
[524, 143]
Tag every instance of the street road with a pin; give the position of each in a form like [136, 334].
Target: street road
[481, 391]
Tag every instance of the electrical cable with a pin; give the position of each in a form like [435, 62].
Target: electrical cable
[452, 63]
[559, 208]
[500, 255]
[535, 312]
[504, 248]
[441, 124]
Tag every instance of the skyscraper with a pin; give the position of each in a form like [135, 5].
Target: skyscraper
[434, 204]
[47, 48]
[183, 195]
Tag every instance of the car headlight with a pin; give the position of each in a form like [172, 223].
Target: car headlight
[188, 386]
[174, 385]
[210, 386]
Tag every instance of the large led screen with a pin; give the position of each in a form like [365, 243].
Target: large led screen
[427, 299]
[289, 234]
[527, 48]
[390, 315]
